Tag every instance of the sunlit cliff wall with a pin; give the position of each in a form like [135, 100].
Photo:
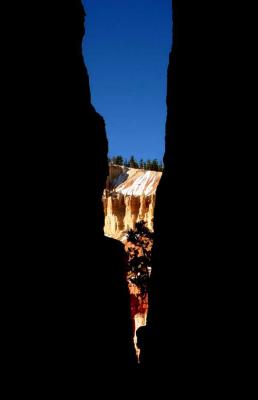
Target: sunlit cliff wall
[129, 197]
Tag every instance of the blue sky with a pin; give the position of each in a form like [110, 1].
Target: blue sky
[126, 49]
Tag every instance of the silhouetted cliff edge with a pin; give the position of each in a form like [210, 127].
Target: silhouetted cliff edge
[69, 320]
[196, 320]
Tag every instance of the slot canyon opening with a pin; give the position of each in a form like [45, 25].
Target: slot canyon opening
[66, 310]
[126, 48]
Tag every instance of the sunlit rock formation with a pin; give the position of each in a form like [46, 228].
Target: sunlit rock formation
[129, 197]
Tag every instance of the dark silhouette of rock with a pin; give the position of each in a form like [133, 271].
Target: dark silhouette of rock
[70, 305]
[143, 344]
[65, 278]
[193, 318]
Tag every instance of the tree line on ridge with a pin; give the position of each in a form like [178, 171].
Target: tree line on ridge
[152, 165]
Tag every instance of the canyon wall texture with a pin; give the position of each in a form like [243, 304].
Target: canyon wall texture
[129, 197]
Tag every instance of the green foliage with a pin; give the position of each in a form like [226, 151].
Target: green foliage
[139, 254]
[148, 164]
[152, 165]
[117, 160]
[141, 164]
[133, 163]
[155, 165]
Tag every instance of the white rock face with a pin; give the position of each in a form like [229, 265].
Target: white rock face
[129, 197]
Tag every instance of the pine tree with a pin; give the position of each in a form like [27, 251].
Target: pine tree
[133, 163]
[148, 164]
[155, 165]
[141, 164]
[152, 165]
[139, 253]
[119, 160]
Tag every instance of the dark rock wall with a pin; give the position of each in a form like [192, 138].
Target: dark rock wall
[69, 307]
[61, 299]
[193, 321]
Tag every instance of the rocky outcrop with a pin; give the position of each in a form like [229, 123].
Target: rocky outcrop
[114, 210]
[129, 197]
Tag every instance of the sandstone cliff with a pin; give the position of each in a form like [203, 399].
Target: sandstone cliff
[129, 197]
